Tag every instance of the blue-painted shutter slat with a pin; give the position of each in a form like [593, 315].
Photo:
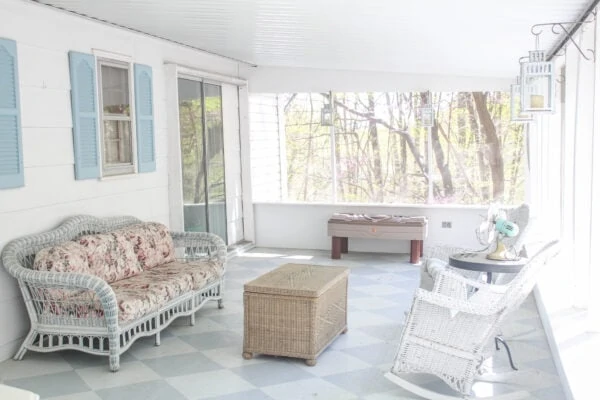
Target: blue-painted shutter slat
[85, 115]
[144, 118]
[11, 151]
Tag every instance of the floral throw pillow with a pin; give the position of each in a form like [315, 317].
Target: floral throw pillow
[152, 243]
[65, 257]
[110, 256]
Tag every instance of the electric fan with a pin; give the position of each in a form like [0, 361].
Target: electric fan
[497, 227]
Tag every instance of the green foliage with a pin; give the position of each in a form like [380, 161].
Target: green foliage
[383, 154]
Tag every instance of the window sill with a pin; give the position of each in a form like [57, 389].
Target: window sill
[119, 177]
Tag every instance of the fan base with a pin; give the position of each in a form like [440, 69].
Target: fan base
[501, 254]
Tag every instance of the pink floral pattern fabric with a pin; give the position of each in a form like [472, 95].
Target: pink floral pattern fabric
[154, 288]
[110, 256]
[152, 243]
[65, 257]
[137, 261]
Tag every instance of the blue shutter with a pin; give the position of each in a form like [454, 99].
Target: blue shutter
[85, 115]
[144, 118]
[11, 150]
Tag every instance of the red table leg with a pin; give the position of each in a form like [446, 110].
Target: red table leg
[344, 245]
[336, 247]
[415, 251]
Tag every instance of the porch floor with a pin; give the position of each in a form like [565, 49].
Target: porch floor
[205, 361]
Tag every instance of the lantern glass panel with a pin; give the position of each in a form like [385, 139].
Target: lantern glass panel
[516, 112]
[537, 86]
[326, 115]
[427, 117]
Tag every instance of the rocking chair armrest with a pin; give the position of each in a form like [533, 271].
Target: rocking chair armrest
[455, 304]
[455, 277]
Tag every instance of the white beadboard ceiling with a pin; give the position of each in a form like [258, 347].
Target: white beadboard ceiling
[459, 37]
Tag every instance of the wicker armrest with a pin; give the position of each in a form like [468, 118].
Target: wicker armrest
[454, 304]
[450, 275]
[200, 245]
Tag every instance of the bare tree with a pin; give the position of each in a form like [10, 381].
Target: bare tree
[494, 152]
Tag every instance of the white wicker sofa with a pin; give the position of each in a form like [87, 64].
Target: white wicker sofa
[97, 285]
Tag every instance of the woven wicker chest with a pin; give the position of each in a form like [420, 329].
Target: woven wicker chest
[296, 310]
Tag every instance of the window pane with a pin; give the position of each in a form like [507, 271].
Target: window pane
[308, 147]
[117, 142]
[115, 90]
[192, 143]
[478, 154]
[217, 213]
[380, 152]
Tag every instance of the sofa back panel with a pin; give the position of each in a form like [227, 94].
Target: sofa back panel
[152, 243]
[64, 257]
[110, 256]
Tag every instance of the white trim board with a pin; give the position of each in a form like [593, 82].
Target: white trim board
[552, 343]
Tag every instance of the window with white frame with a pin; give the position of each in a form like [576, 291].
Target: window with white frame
[372, 147]
[116, 117]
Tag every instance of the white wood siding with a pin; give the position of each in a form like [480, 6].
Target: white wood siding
[265, 147]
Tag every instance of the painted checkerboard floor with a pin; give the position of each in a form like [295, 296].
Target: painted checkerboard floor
[205, 362]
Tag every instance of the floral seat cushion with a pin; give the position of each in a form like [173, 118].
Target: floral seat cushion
[154, 288]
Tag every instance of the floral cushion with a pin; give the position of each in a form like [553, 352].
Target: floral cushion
[110, 256]
[153, 289]
[152, 243]
[138, 295]
[65, 257]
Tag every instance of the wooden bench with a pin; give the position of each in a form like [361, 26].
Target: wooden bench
[342, 226]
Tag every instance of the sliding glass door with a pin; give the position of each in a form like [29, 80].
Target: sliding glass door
[202, 157]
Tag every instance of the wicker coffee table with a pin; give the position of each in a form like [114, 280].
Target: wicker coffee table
[296, 310]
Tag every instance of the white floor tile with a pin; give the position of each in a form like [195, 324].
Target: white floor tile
[231, 357]
[77, 396]
[209, 384]
[33, 364]
[102, 378]
[168, 347]
[308, 389]
[371, 303]
[335, 362]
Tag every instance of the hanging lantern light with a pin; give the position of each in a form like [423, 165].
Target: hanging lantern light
[426, 113]
[516, 113]
[326, 115]
[537, 84]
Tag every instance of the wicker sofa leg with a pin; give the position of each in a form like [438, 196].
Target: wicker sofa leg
[23, 349]
[220, 304]
[113, 350]
[157, 339]
[192, 319]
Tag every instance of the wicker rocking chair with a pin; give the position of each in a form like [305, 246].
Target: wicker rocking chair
[448, 329]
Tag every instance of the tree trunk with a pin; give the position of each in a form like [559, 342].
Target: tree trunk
[493, 148]
[516, 163]
[308, 153]
[440, 159]
[483, 175]
[377, 190]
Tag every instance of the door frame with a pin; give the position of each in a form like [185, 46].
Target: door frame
[173, 72]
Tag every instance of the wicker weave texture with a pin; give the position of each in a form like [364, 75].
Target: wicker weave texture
[447, 330]
[97, 332]
[286, 324]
